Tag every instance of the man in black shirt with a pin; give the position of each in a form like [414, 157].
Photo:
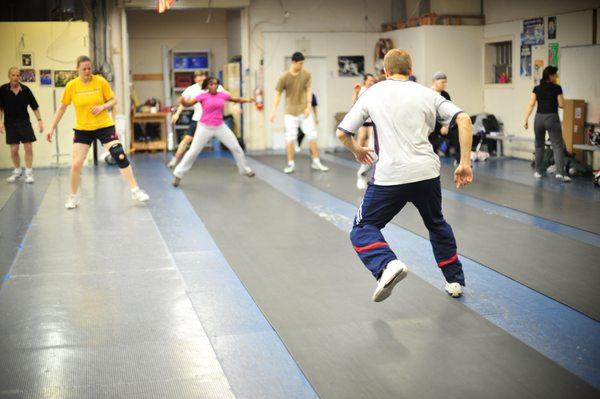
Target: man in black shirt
[14, 121]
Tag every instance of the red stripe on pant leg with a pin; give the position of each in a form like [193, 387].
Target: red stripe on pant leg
[369, 247]
[448, 261]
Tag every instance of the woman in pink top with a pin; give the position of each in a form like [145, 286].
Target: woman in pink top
[211, 125]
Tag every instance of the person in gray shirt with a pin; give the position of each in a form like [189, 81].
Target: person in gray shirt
[406, 170]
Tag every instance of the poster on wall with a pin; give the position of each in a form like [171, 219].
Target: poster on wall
[27, 75]
[351, 65]
[533, 32]
[525, 60]
[553, 54]
[26, 60]
[551, 27]
[61, 78]
[538, 69]
[45, 77]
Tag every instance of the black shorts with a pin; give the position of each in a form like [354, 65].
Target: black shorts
[19, 133]
[105, 135]
[192, 128]
[368, 124]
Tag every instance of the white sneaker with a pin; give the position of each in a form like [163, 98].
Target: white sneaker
[72, 202]
[565, 179]
[361, 183]
[16, 175]
[317, 165]
[289, 168]
[393, 273]
[172, 163]
[139, 195]
[29, 178]
[249, 172]
[537, 175]
[454, 289]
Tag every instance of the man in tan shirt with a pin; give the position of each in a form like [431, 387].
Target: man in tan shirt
[296, 83]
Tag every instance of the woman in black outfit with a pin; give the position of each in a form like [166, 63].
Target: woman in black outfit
[549, 97]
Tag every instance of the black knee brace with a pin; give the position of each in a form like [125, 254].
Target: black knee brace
[116, 151]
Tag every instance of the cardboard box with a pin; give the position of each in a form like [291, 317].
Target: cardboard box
[573, 126]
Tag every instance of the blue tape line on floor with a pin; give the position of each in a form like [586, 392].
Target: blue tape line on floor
[240, 334]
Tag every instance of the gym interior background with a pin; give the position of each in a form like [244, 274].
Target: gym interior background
[181, 298]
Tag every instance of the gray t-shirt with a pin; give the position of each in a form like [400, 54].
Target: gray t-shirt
[403, 114]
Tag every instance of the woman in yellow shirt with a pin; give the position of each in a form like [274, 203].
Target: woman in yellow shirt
[92, 97]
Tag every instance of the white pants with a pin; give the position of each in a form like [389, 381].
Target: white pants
[202, 136]
[306, 123]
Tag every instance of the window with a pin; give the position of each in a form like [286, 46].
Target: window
[498, 62]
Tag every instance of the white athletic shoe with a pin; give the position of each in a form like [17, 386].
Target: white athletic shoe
[537, 175]
[249, 172]
[72, 202]
[564, 179]
[16, 175]
[317, 165]
[454, 289]
[172, 163]
[139, 195]
[289, 168]
[393, 273]
[29, 178]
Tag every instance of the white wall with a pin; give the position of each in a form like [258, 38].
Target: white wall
[509, 10]
[455, 50]
[55, 46]
[180, 30]
[334, 27]
[508, 102]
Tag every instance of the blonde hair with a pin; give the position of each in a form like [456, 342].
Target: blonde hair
[83, 58]
[397, 61]
[11, 68]
[200, 72]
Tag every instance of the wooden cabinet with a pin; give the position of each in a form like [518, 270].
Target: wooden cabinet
[573, 126]
[143, 119]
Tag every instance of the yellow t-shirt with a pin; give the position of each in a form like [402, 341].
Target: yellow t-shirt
[84, 96]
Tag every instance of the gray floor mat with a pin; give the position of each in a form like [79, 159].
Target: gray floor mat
[94, 307]
[561, 268]
[303, 274]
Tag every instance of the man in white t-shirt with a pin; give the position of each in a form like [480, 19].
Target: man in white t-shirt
[406, 170]
[190, 92]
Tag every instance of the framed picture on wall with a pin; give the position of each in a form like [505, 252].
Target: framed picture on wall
[26, 60]
[45, 77]
[551, 27]
[27, 75]
[351, 65]
[61, 78]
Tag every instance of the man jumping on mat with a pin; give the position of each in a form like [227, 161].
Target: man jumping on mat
[407, 170]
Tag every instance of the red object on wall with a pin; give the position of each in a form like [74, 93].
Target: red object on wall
[183, 80]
